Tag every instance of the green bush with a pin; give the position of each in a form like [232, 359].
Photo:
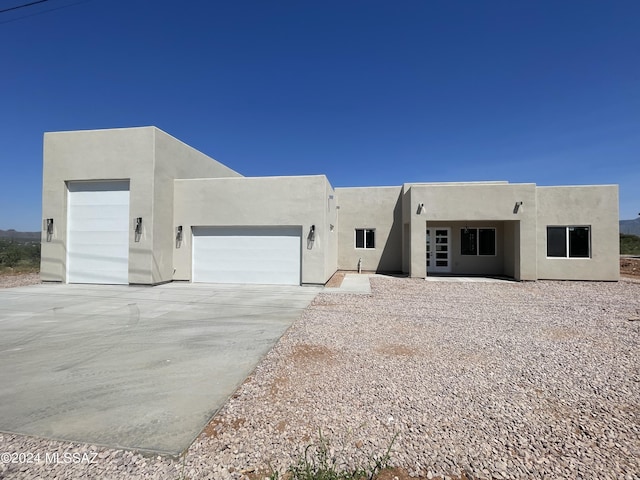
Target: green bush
[318, 464]
[629, 244]
[14, 254]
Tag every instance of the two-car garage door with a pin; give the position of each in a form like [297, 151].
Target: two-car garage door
[262, 255]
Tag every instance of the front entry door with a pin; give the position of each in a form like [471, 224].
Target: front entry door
[438, 250]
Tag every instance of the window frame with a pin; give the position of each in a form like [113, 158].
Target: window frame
[364, 238]
[567, 244]
[477, 245]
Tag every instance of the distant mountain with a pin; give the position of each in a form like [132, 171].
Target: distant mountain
[21, 237]
[630, 227]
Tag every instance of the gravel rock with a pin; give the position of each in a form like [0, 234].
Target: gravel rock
[500, 380]
[19, 280]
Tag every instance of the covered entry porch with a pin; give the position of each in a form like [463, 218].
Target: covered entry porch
[489, 229]
[468, 248]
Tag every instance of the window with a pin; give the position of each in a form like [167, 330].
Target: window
[478, 241]
[569, 242]
[365, 238]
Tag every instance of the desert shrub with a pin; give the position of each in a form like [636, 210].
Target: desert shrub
[629, 244]
[13, 254]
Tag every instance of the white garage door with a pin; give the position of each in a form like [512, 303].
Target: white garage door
[98, 232]
[266, 255]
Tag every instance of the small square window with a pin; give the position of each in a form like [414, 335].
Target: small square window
[365, 238]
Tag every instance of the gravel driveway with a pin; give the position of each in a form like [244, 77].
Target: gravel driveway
[505, 380]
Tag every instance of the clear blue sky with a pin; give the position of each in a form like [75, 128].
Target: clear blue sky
[366, 92]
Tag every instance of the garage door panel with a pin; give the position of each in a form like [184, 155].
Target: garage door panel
[86, 238]
[93, 269]
[86, 235]
[113, 254]
[262, 255]
[102, 277]
[98, 232]
[90, 199]
[255, 277]
[101, 218]
[258, 264]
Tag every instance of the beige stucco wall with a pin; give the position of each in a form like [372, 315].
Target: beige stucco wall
[472, 202]
[174, 160]
[379, 208]
[264, 201]
[511, 249]
[595, 206]
[331, 227]
[97, 155]
[406, 229]
[146, 156]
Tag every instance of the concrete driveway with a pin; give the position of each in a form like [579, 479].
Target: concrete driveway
[133, 367]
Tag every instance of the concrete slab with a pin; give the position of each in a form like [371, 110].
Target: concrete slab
[140, 368]
[352, 283]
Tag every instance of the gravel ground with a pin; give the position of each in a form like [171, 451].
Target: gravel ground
[630, 267]
[498, 380]
[19, 279]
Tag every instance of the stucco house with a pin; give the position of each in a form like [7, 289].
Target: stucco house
[137, 206]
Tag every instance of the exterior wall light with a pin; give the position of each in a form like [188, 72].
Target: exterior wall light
[49, 229]
[138, 229]
[517, 207]
[178, 236]
[420, 208]
[311, 237]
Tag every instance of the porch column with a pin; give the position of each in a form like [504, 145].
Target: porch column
[418, 261]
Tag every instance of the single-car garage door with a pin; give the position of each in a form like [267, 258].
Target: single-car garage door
[266, 255]
[98, 232]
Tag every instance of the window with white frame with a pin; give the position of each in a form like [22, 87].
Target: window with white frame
[569, 242]
[365, 238]
[478, 241]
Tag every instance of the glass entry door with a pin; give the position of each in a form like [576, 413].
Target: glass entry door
[438, 250]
